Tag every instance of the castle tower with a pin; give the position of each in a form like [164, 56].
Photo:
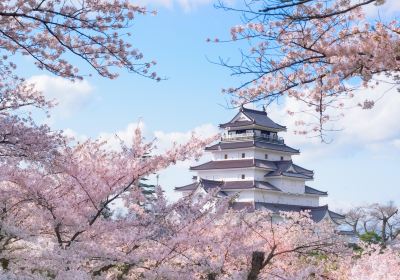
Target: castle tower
[254, 163]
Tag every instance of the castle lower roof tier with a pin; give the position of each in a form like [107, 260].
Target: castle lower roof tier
[250, 144]
[317, 213]
[273, 168]
[241, 185]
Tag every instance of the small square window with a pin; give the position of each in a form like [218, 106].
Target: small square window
[243, 155]
[281, 158]
[266, 156]
[243, 176]
[226, 156]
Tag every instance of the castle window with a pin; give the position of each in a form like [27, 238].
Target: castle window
[266, 156]
[281, 157]
[226, 156]
[243, 155]
[243, 176]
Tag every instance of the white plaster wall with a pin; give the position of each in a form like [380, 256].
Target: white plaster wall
[241, 117]
[259, 174]
[260, 154]
[246, 196]
[288, 185]
[227, 175]
[233, 174]
[249, 153]
[233, 154]
[283, 198]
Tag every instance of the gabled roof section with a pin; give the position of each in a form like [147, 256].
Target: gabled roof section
[190, 187]
[277, 168]
[317, 213]
[236, 163]
[249, 144]
[255, 117]
[309, 190]
[228, 185]
[288, 169]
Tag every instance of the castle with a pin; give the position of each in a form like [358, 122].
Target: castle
[253, 162]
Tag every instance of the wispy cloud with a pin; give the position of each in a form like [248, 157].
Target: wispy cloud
[388, 9]
[69, 96]
[376, 130]
[185, 5]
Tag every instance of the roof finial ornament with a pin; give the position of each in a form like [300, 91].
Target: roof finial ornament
[265, 109]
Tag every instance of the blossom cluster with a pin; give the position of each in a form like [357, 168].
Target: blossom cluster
[316, 52]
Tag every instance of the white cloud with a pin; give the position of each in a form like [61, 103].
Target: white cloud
[165, 139]
[340, 205]
[389, 8]
[396, 143]
[126, 135]
[376, 130]
[72, 134]
[186, 5]
[70, 96]
[179, 175]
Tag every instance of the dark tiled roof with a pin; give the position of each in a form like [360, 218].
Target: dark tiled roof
[257, 118]
[237, 163]
[189, 187]
[309, 190]
[228, 185]
[249, 144]
[278, 168]
[289, 169]
[266, 186]
[317, 213]
[236, 124]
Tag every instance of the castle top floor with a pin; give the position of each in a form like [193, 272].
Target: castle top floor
[248, 119]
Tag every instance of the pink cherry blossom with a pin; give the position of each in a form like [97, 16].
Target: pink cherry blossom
[317, 53]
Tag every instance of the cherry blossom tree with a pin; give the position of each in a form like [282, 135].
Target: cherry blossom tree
[52, 33]
[372, 263]
[259, 245]
[56, 195]
[20, 136]
[318, 52]
[51, 219]
[376, 222]
[94, 31]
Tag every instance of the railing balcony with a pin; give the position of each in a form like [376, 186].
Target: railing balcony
[252, 136]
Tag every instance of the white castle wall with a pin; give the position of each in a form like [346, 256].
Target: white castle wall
[273, 156]
[280, 198]
[288, 185]
[233, 174]
[234, 154]
[285, 198]
[250, 153]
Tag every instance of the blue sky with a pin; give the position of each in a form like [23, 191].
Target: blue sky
[361, 165]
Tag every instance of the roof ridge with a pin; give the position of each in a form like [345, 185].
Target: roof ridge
[255, 111]
[296, 165]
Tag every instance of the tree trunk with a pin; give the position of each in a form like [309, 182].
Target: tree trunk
[383, 233]
[257, 261]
